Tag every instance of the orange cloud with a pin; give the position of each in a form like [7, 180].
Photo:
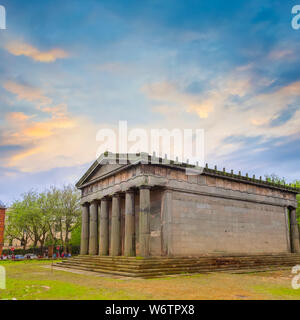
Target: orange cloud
[56, 141]
[17, 116]
[47, 128]
[23, 49]
[170, 94]
[58, 111]
[26, 93]
[24, 154]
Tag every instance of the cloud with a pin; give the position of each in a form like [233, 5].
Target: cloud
[17, 116]
[168, 92]
[202, 104]
[27, 93]
[19, 49]
[61, 139]
[53, 144]
[279, 54]
[229, 106]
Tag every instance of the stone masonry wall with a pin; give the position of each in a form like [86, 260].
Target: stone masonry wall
[204, 224]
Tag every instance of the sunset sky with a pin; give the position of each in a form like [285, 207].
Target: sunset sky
[69, 68]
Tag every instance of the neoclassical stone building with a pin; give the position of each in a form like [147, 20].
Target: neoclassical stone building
[154, 207]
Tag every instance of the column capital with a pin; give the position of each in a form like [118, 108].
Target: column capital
[131, 190]
[106, 198]
[144, 186]
[85, 204]
[117, 195]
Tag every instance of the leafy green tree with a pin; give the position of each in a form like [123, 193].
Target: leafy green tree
[68, 215]
[15, 225]
[296, 184]
[275, 178]
[39, 217]
[76, 236]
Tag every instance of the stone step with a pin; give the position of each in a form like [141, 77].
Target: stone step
[139, 264]
[183, 264]
[152, 267]
[174, 268]
[169, 271]
[154, 274]
[166, 260]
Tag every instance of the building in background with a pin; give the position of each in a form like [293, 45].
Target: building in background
[2, 219]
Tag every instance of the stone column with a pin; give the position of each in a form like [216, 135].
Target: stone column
[144, 221]
[294, 231]
[115, 237]
[166, 221]
[103, 232]
[93, 239]
[129, 246]
[84, 244]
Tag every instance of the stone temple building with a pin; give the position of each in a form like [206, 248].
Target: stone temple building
[152, 207]
[2, 220]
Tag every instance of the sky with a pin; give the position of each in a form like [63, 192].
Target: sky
[69, 68]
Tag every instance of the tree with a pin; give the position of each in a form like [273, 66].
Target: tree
[40, 216]
[296, 184]
[36, 221]
[69, 213]
[76, 236]
[15, 225]
[275, 178]
[50, 205]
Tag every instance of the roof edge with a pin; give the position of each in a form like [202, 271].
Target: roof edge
[145, 158]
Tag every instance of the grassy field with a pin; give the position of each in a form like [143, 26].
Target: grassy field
[30, 280]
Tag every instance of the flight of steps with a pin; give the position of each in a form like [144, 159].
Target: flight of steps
[161, 266]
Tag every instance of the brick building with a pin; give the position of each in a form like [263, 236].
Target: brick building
[153, 207]
[2, 220]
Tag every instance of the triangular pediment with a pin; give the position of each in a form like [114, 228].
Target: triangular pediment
[102, 170]
[97, 171]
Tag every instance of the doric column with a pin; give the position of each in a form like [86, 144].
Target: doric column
[84, 244]
[144, 221]
[115, 237]
[129, 246]
[103, 232]
[93, 239]
[166, 221]
[294, 232]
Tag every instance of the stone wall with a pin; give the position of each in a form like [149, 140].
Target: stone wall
[205, 224]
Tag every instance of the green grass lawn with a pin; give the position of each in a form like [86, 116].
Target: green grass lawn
[31, 280]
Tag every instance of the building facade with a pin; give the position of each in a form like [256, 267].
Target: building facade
[2, 221]
[150, 206]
